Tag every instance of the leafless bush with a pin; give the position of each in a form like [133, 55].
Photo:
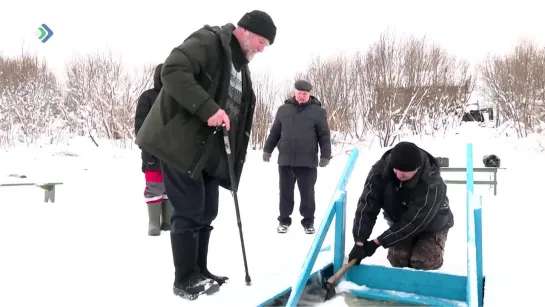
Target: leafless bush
[333, 85]
[516, 84]
[408, 84]
[286, 88]
[380, 70]
[440, 82]
[29, 99]
[102, 95]
[286, 91]
[267, 94]
[396, 84]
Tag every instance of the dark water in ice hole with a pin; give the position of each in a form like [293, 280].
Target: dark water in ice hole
[314, 295]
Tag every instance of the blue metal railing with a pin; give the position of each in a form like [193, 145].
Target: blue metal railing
[475, 276]
[336, 209]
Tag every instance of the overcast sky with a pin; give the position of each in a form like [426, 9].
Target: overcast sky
[146, 31]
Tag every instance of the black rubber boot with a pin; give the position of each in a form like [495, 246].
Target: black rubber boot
[204, 239]
[166, 215]
[154, 219]
[189, 283]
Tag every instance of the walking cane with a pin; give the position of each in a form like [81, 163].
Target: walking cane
[234, 188]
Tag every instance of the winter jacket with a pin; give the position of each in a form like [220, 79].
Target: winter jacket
[146, 100]
[196, 80]
[298, 130]
[411, 207]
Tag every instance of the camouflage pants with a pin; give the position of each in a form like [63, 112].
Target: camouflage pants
[423, 252]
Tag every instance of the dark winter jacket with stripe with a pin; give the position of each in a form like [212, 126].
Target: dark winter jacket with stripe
[196, 82]
[146, 100]
[410, 208]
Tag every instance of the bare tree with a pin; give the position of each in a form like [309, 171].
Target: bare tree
[441, 83]
[407, 84]
[267, 95]
[333, 86]
[29, 100]
[516, 84]
[102, 94]
[380, 70]
[286, 90]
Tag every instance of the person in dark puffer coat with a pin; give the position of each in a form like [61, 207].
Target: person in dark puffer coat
[300, 127]
[406, 184]
[159, 207]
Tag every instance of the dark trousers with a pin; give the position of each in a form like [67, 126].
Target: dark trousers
[195, 202]
[306, 179]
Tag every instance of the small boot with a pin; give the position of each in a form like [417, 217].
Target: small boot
[189, 283]
[154, 216]
[204, 239]
[166, 215]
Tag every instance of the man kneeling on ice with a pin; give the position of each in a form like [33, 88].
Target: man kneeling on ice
[407, 185]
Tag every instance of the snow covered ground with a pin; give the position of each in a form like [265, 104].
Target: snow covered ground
[90, 248]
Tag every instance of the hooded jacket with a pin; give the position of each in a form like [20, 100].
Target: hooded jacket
[143, 107]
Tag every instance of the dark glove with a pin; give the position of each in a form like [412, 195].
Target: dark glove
[147, 158]
[323, 162]
[360, 252]
[151, 161]
[266, 156]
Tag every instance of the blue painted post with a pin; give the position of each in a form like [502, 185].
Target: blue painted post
[352, 159]
[469, 167]
[339, 196]
[340, 232]
[297, 289]
[479, 250]
[340, 212]
[471, 296]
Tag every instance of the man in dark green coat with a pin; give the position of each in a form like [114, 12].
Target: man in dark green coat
[206, 85]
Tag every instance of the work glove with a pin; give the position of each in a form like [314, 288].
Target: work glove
[266, 156]
[361, 252]
[323, 162]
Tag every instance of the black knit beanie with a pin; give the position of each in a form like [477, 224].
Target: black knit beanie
[406, 157]
[259, 23]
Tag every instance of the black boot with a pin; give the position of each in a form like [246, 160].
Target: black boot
[189, 283]
[204, 239]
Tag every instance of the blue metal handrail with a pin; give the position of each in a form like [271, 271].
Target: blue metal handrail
[336, 209]
[475, 276]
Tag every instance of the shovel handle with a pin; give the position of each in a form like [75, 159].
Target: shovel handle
[340, 273]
